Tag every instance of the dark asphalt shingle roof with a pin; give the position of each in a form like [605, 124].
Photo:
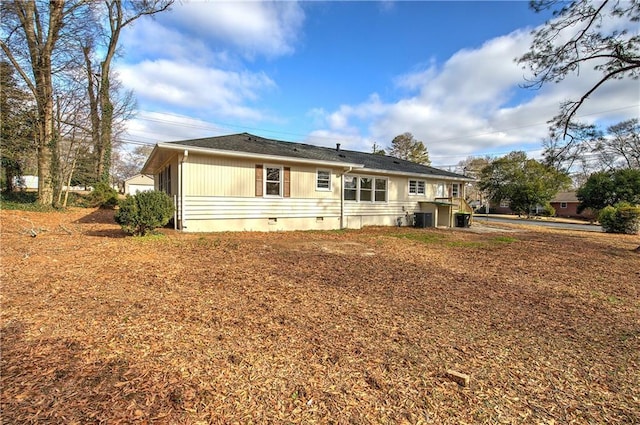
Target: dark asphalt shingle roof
[249, 143]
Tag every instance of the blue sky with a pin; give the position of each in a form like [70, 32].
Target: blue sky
[354, 73]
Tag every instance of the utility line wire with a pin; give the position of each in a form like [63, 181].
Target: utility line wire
[222, 126]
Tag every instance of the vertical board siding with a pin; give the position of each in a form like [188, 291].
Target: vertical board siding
[303, 183]
[215, 176]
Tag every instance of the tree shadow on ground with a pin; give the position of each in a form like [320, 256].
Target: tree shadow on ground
[101, 223]
[99, 216]
[106, 233]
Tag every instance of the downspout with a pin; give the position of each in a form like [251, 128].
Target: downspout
[185, 155]
[342, 225]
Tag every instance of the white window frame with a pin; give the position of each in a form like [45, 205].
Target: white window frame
[563, 205]
[455, 190]
[352, 178]
[441, 190]
[369, 190]
[318, 180]
[373, 189]
[265, 180]
[416, 191]
[376, 190]
[164, 180]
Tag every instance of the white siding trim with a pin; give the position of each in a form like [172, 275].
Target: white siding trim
[210, 208]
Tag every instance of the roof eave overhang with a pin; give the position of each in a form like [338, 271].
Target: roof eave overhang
[419, 175]
[153, 162]
[147, 167]
[252, 155]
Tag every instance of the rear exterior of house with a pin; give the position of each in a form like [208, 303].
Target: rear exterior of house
[245, 182]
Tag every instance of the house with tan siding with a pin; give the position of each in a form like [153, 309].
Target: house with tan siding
[245, 182]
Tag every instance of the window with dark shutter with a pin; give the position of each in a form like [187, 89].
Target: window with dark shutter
[273, 181]
[258, 180]
[287, 182]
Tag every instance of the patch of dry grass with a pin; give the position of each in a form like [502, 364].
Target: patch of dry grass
[315, 327]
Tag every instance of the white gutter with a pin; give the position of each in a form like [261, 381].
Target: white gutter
[342, 225]
[185, 155]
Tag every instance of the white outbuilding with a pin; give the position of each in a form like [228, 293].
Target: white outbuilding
[138, 183]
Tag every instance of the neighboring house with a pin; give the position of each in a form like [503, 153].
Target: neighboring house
[502, 208]
[566, 205]
[505, 208]
[26, 183]
[138, 183]
[245, 182]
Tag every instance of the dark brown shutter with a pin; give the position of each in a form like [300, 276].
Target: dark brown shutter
[287, 182]
[258, 180]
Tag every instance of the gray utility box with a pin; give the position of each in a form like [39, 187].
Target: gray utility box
[423, 219]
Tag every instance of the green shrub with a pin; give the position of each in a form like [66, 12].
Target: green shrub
[101, 196]
[24, 201]
[75, 199]
[138, 215]
[621, 218]
[548, 211]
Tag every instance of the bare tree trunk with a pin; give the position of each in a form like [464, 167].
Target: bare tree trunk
[106, 121]
[47, 141]
[120, 14]
[94, 90]
[69, 175]
[10, 175]
[40, 40]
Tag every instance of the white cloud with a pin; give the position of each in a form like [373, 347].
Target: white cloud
[154, 127]
[473, 104]
[470, 104]
[191, 58]
[252, 27]
[348, 141]
[148, 38]
[190, 86]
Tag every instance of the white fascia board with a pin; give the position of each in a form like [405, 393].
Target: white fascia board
[416, 175]
[250, 155]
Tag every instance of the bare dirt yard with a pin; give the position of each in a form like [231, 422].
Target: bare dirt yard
[344, 327]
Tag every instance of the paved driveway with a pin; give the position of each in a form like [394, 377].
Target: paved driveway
[556, 224]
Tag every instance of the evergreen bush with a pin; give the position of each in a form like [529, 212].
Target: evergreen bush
[621, 218]
[140, 214]
[548, 211]
[102, 195]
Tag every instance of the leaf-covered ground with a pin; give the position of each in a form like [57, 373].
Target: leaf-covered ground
[345, 327]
